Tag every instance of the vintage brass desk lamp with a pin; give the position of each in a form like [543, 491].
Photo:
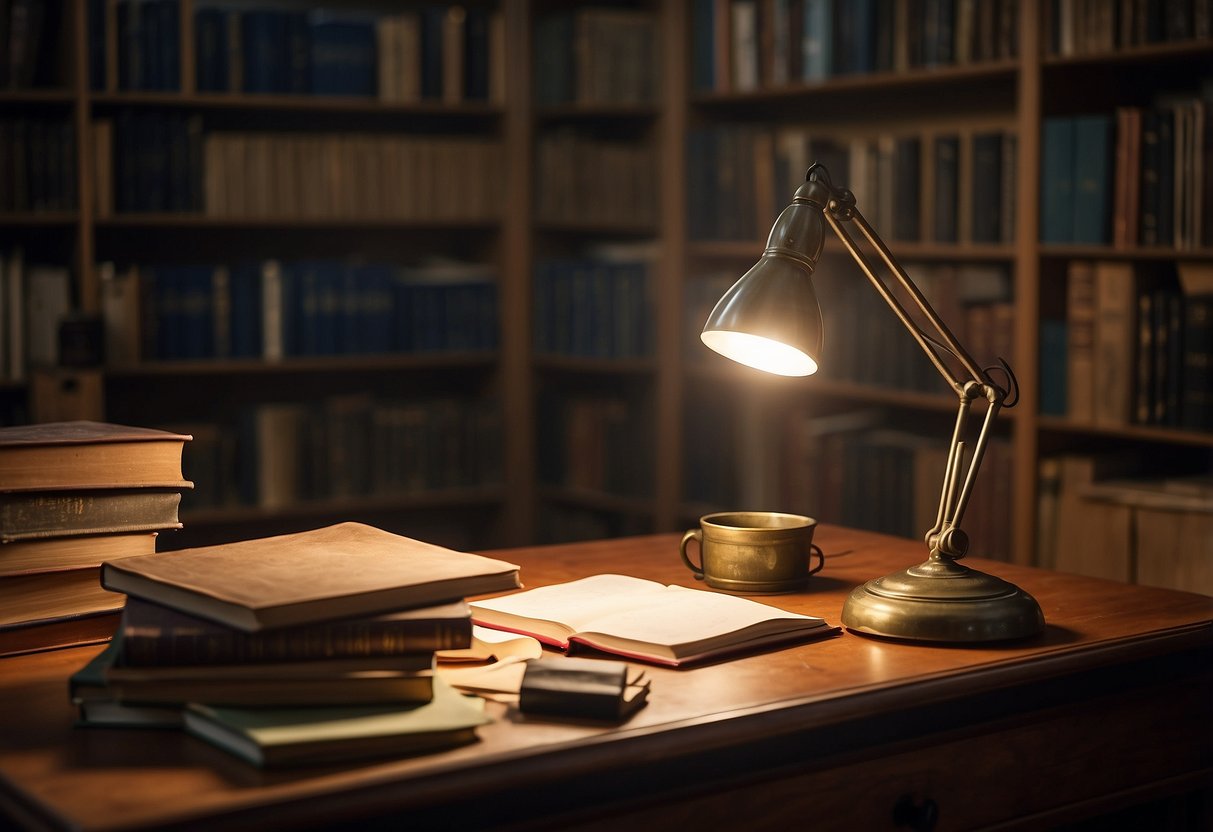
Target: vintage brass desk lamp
[770, 320]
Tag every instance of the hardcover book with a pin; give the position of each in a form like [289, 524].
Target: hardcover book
[645, 620]
[63, 455]
[340, 571]
[271, 737]
[28, 515]
[154, 635]
[54, 554]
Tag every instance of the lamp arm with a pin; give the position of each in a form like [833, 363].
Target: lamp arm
[945, 538]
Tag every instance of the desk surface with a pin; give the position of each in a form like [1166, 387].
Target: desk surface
[56, 775]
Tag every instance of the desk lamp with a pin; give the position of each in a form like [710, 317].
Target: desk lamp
[770, 320]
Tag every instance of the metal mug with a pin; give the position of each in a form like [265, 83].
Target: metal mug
[754, 551]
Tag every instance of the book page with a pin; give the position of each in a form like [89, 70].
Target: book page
[576, 604]
[683, 616]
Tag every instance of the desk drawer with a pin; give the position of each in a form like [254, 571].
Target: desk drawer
[1039, 769]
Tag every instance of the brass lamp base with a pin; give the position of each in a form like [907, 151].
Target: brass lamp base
[940, 600]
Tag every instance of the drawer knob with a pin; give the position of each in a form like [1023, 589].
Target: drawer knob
[919, 816]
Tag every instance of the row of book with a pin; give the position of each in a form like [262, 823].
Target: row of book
[593, 442]
[35, 298]
[37, 164]
[73, 494]
[1134, 346]
[1109, 515]
[594, 56]
[1073, 27]
[741, 45]
[948, 188]
[451, 53]
[279, 454]
[274, 309]
[855, 468]
[1139, 177]
[29, 53]
[305, 648]
[151, 162]
[593, 308]
[592, 180]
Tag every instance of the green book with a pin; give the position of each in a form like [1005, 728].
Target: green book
[272, 737]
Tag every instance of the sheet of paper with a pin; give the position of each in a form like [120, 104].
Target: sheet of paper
[493, 644]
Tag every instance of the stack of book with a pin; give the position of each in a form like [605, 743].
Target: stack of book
[73, 494]
[301, 648]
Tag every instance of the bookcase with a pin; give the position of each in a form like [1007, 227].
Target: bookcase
[578, 199]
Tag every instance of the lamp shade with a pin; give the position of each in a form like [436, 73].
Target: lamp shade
[770, 318]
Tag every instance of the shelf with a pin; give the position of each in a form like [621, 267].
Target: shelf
[925, 78]
[298, 103]
[47, 219]
[601, 366]
[195, 221]
[318, 364]
[433, 499]
[1078, 252]
[1134, 54]
[37, 96]
[598, 228]
[598, 500]
[1142, 433]
[596, 112]
[904, 252]
[731, 373]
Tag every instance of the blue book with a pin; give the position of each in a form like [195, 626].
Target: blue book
[703, 45]
[862, 42]
[169, 20]
[476, 54]
[246, 314]
[197, 323]
[298, 69]
[1057, 181]
[264, 46]
[96, 45]
[329, 309]
[817, 42]
[1053, 340]
[210, 50]
[431, 51]
[1092, 173]
[342, 57]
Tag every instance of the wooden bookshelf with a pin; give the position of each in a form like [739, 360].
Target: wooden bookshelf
[1001, 92]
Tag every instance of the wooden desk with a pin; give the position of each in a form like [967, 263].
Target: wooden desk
[1111, 708]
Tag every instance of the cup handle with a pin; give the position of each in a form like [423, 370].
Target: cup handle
[696, 534]
[815, 550]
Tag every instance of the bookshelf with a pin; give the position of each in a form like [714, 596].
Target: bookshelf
[554, 208]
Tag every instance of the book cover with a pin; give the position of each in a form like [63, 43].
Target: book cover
[947, 185]
[401, 680]
[43, 554]
[1057, 181]
[26, 515]
[271, 737]
[1115, 342]
[644, 620]
[84, 454]
[335, 572]
[986, 185]
[1080, 345]
[1092, 201]
[154, 635]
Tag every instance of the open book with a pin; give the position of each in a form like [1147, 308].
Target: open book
[644, 620]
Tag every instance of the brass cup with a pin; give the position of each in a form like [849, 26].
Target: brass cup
[758, 552]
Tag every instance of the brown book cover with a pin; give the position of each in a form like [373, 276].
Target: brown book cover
[83, 454]
[28, 515]
[339, 571]
[24, 557]
[90, 627]
[1080, 340]
[39, 596]
[154, 635]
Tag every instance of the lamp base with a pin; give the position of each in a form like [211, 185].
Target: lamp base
[942, 601]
